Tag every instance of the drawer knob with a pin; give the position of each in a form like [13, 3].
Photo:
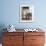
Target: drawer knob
[11, 38]
[33, 39]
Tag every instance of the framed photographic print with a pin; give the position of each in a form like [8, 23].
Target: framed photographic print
[26, 13]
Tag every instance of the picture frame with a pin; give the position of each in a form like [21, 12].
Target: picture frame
[26, 13]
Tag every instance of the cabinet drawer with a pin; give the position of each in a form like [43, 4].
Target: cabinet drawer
[37, 39]
[13, 33]
[37, 44]
[20, 44]
[12, 39]
[8, 45]
[34, 33]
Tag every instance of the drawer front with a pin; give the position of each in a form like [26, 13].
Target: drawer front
[34, 33]
[12, 44]
[37, 39]
[13, 33]
[8, 44]
[37, 45]
[12, 39]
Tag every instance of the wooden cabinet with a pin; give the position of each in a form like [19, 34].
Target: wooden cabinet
[23, 39]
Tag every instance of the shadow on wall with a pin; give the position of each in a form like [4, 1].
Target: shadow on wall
[2, 26]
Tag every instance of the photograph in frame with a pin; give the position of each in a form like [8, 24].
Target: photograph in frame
[26, 13]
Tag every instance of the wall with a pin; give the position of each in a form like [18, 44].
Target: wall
[9, 13]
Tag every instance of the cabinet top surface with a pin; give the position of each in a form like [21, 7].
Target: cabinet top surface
[22, 30]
